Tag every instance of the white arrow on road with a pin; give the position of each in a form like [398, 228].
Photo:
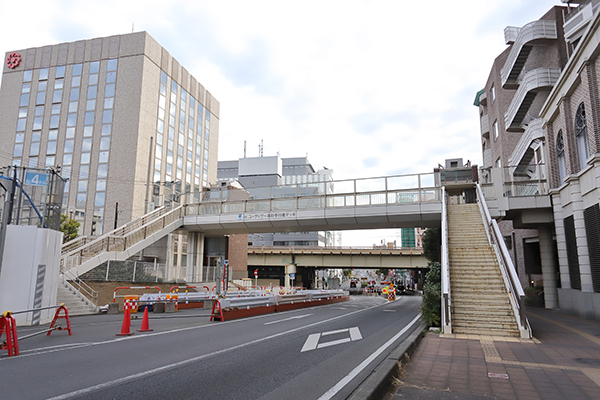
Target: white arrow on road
[287, 319]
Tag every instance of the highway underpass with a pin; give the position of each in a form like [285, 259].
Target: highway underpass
[271, 262]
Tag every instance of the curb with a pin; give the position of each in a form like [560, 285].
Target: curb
[377, 384]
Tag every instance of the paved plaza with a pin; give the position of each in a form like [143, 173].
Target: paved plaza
[561, 362]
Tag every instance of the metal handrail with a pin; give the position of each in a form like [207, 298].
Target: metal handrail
[82, 288]
[322, 201]
[507, 268]
[75, 243]
[111, 242]
[446, 298]
[78, 243]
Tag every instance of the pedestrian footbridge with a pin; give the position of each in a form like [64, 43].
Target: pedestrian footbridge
[371, 203]
[418, 200]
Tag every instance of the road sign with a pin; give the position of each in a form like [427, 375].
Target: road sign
[256, 273]
[292, 276]
[36, 179]
[227, 263]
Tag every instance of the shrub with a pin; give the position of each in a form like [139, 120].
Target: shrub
[431, 306]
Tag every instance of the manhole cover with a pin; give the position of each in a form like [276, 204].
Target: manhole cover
[589, 361]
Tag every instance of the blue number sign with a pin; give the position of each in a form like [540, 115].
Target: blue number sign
[36, 179]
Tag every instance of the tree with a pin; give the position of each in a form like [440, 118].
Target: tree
[431, 305]
[69, 227]
[432, 244]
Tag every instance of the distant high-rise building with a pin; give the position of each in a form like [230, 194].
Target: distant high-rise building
[408, 237]
[257, 172]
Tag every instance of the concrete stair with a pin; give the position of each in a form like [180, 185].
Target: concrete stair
[480, 301]
[75, 302]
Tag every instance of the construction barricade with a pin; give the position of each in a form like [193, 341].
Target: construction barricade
[8, 327]
[131, 301]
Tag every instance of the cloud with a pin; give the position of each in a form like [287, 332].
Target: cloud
[366, 88]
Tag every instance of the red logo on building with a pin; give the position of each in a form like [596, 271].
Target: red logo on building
[13, 60]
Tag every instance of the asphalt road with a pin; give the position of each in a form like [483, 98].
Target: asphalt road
[313, 353]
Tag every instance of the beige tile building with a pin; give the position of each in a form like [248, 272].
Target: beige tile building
[130, 128]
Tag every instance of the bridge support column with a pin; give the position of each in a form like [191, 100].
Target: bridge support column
[195, 256]
[548, 267]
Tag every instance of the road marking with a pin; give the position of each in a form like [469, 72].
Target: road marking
[388, 310]
[154, 371]
[355, 334]
[312, 342]
[339, 341]
[348, 378]
[287, 319]
[335, 332]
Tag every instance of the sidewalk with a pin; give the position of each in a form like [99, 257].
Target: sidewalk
[561, 362]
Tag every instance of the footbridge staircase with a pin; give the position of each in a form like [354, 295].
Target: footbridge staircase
[481, 292]
[83, 254]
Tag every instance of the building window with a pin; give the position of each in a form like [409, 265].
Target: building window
[492, 94]
[498, 163]
[495, 129]
[581, 134]
[572, 253]
[560, 156]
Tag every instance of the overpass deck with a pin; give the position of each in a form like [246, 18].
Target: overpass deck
[371, 203]
[337, 257]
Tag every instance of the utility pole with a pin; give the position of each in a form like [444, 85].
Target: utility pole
[7, 215]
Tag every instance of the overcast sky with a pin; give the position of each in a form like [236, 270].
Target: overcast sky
[366, 88]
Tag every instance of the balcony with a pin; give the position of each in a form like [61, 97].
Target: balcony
[511, 33]
[523, 153]
[538, 31]
[483, 98]
[578, 19]
[487, 158]
[485, 126]
[533, 82]
[524, 199]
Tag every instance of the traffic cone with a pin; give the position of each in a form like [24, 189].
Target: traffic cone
[126, 324]
[145, 325]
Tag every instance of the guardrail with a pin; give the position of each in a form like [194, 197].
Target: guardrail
[446, 298]
[509, 273]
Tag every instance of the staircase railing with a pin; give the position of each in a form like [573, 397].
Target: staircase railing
[509, 273]
[75, 243]
[122, 238]
[85, 290]
[446, 299]
[81, 241]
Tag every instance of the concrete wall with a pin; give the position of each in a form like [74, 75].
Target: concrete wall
[29, 275]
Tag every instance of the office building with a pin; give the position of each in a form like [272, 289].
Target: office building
[129, 127]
